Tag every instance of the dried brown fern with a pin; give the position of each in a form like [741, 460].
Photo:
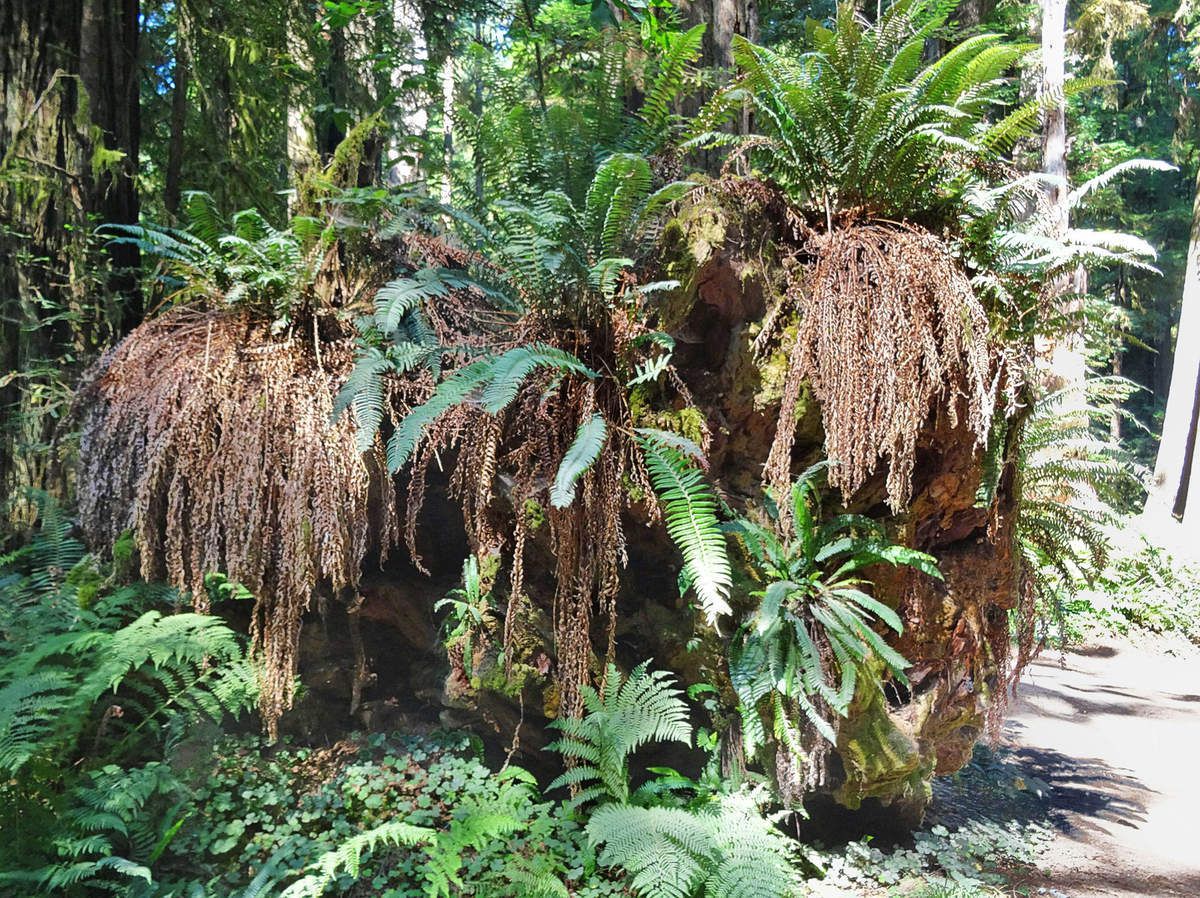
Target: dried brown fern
[214, 442]
[525, 444]
[889, 331]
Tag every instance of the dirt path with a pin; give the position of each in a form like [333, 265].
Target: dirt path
[1115, 731]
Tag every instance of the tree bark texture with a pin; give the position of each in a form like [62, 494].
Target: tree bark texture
[172, 187]
[68, 155]
[1063, 356]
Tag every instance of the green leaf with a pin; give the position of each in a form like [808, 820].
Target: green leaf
[582, 454]
[690, 513]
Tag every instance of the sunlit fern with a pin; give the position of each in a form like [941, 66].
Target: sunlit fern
[864, 119]
[243, 262]
[724, 848]
[626, 713]
[812, 643]
[1075, 482]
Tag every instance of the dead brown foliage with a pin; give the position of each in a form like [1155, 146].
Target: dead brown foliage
[501, 470]
[889, 330]
[214, 442]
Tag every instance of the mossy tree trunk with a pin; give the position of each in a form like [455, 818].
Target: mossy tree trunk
[69, 145]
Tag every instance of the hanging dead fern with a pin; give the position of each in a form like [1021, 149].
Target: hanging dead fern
[889, 331]
[215, 442]
[572, 460]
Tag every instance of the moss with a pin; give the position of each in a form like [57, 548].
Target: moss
[535, 515]
[687, 421]
[879, 758]
[772, 373]
[124, 555]
[634, 491]
[342, 170]
[87, 581]
[688, 243]
[105, 161]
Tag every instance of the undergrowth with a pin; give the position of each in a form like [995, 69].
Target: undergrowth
[1142, 592]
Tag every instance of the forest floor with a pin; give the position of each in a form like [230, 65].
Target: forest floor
[1114, 730]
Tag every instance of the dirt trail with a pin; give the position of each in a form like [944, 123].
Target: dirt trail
[1115, 731]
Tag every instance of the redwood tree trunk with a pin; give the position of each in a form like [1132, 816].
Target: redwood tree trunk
[68, 153]
[172, 188]
[1063, 356]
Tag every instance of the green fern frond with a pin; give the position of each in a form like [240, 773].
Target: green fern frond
[632, 711]
[585, 449]
[690, 514]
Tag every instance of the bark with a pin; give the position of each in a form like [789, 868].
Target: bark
[1175, 477]
[172, 189]
[413, 117]
[447, 128]
[724, 19]
[301, 134]
[68, 153]
[1063, 356]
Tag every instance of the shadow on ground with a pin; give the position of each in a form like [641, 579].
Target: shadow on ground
[1085, 791]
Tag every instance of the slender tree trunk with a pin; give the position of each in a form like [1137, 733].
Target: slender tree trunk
[447, 128]
[413, 117]
[477, 108]
[173, 189]
[301, 133]
[730, 17]
[724, 19]
[1173, 490]
[1062, 357]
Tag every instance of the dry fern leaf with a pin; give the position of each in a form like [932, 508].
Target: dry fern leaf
[215, 443]
[889, 331]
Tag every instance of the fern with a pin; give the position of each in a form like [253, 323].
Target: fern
[690, 512]
[474, 825]
[87, 683]
[245, 262]
[627, 713]
[1074, 483]
[864, 120]
[499, 380]
[812, 639]
[584, 451]
[726, 848]
[656, 121]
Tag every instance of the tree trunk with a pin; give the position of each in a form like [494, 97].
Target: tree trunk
[1175, 477]
[447, 129]
[1062, 357]
[172, 188]
[413, 117]
[68, 153]
[301, 133]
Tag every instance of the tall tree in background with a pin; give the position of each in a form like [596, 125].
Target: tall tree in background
[1175, 491]
[1063, 355]
[68, 155]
